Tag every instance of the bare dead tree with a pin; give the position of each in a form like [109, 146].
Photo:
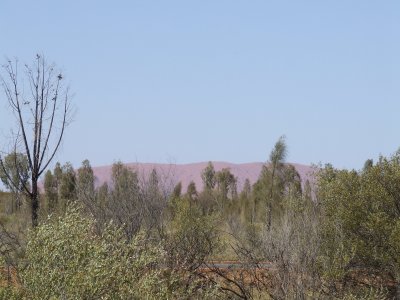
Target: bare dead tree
[40, 103]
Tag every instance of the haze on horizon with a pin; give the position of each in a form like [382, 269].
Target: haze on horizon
[181, 82]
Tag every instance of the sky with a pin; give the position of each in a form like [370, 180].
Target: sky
[190, 81]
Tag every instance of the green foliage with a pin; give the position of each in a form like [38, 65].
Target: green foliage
[220, 190]
[15, 175]
[192, 191]
[68, 183]
[85, 181]
[155, 202]
[361, 212]
[51, 191]
[278, 182]
[177, 192]
[278, 153]
[191, 241]
[246, 203]
[68, 260]
[132, 240]
[337, 191]
[208, 176]
[58, 173]
[60, 187]
[226, 186]
[125, 182]
[14, 171]
[246, 191]
[122, 201]
[192, 236]
[174, 200]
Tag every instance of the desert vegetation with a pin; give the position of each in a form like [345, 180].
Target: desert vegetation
[280, 238]
[335, 236]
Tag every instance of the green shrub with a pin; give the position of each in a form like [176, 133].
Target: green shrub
[68, 260]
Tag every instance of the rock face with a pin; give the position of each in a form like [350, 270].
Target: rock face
[171, 174]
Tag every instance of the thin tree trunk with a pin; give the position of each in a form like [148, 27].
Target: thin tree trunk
[34, 203]
[269, 221]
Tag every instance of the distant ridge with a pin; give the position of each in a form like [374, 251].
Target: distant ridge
[171, 174]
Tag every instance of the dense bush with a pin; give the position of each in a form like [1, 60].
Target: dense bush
[360, 214]
[67, 260]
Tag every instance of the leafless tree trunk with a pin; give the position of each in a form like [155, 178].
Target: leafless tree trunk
[40, 104]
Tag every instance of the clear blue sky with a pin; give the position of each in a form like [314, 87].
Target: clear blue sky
[188, 81]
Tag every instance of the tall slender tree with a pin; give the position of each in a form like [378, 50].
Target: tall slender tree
[51, 190]
[276, 161]
[85, 181]
[226, 182]
[40, 103]
[191, 191]
[208, 177]
[68, 183]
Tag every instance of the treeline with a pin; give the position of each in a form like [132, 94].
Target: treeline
[336, 237]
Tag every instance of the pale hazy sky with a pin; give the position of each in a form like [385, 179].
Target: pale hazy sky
[188, 81]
